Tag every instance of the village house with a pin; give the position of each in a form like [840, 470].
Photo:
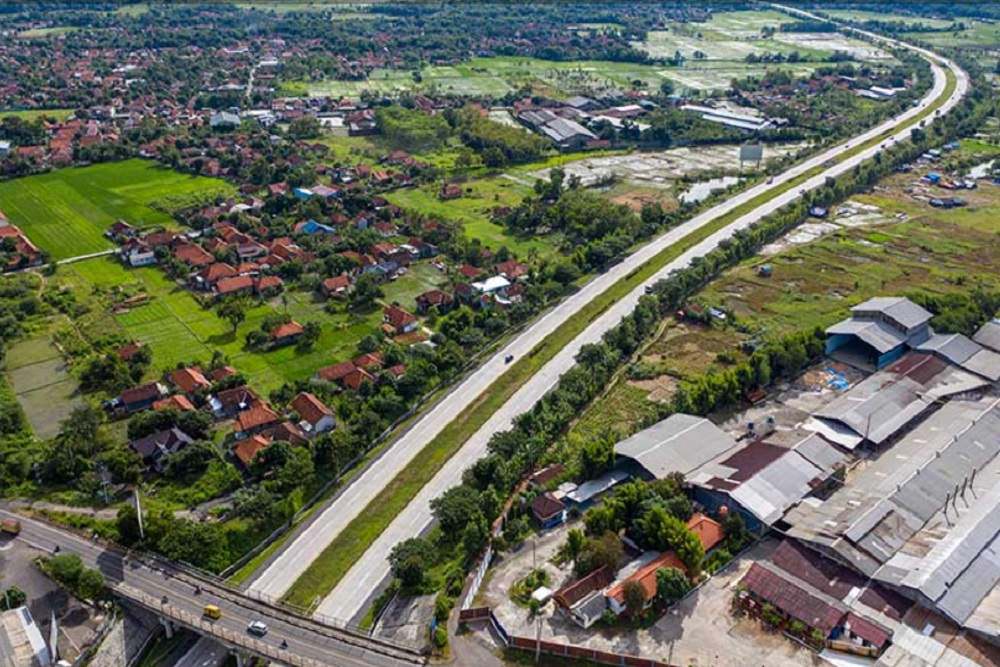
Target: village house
[230, 402]
[189, 380]
[253, 421]
[178, 402]
[397, 321]
[142, 397]
[314, 416]
[155, 448]
[336, 287]
[440, 301]
[286, 334]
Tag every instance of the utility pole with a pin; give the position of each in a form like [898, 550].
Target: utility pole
[138, 514]
[538, 638]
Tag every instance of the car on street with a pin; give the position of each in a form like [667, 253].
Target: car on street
[257, 628]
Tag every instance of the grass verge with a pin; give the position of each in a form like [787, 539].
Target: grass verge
[328, 569]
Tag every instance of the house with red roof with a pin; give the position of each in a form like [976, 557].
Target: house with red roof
[356, 378]
[189, 380]
[336, 372]
[177, 402]
[234, 285]
[314, 416]
[252, 421]
[396, 321]
[286, 334]
[247, 450]
[194, 255]
[441, 301]
[142, 397]
[336, 287]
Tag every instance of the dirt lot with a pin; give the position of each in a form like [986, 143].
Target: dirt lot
[77, 623]
[660, 169]
[698, 631]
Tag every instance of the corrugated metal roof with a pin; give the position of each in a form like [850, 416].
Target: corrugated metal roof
[899, 309]
[679, 443]
[956, 348]
[870, 519]
[989, 335]
[793, 599]
[879, 336]
[986, 363]
[779, 486]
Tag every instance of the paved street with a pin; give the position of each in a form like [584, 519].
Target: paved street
[349, 597]
[170, 593]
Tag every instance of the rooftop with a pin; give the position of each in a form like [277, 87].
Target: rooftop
[679, 443]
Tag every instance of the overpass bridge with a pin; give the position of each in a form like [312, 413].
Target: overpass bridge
[169, 591]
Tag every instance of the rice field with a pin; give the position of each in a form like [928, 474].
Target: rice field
[66, 212]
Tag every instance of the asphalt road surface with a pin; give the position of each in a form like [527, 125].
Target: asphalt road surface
[170, 593]
[350, 595]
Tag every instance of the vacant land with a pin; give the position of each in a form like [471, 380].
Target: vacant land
[474, 211]
[66, 212]
[860, 15]
[34, 114]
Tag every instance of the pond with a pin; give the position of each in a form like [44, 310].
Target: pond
[701, 191]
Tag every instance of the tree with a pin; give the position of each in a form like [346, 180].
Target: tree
[605, 551]
[366, 291]
[90, 584]
[454, 509]
[635, 597]
[671, 585]
[597, 457]
[310, 334]
[232, 311]
[409, 559]
[305, 127]
[66, 569]
[574, 545]
[12, 598]
[667, 88]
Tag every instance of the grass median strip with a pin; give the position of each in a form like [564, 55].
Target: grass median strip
[347, 548]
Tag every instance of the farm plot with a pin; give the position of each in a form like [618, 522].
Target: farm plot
[44, 387]
[65, 212]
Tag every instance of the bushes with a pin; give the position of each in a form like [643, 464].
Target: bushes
[69, 571]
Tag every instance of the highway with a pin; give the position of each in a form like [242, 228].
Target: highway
[350, 595]
[169, 592]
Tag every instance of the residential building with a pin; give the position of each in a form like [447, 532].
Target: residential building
[314, 416]
[21, 641]
[156, 447]
[548, 511]
[141, 398]
[397, 321]
[286, 334]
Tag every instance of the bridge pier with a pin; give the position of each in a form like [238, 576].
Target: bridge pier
[241, 658]
[168, 627]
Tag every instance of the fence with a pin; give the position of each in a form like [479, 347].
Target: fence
[556, 648]
[477, 580]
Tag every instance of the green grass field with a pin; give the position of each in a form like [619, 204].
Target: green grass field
[179, 330]
[65, 212]
[33, 114]
[44, 388]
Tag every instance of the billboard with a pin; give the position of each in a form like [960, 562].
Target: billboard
[751, 152]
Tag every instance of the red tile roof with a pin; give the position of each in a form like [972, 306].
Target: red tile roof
[398, 318]
[310, 408]
[246, 450]
[287, 330]
[709, 531]
[176, 402]
[255, 417]
[217, 272]
[336, 372]
[189, 380]
[140, 394]
[646, 575]
[234, 284]
[194, 255]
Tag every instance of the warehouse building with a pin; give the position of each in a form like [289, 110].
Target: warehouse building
[678, 444]
[878, 332]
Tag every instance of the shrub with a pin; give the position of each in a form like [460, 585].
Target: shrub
[13, 598]
[440, 637]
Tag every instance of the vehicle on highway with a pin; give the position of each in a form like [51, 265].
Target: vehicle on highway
[770, 179]
[212, 611]
[10, 526]
[257, 628]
